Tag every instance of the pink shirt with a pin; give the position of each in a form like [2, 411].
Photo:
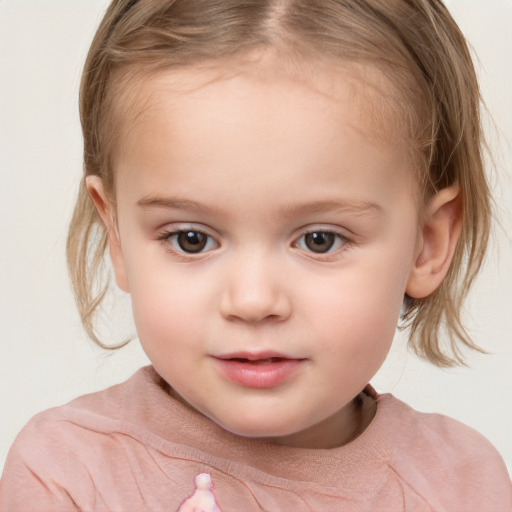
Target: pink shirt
[133, 447]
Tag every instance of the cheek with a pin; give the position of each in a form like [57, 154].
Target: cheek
[166, 307]
[364, 327]
[360, 297]
[364, 324]
[359, 312]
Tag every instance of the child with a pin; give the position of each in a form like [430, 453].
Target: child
[277, 182]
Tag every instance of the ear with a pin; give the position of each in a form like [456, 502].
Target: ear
[440, 230]
[105, 209]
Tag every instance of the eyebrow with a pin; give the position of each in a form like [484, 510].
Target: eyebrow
[345, 206]
[327, 206]
[176, 203]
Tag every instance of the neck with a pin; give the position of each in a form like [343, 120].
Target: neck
[339, 429]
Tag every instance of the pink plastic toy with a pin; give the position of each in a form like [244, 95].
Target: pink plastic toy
[203, 499]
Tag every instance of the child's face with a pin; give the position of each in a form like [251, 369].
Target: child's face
[266, 239]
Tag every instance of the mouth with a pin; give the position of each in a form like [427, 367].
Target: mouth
[259, 371]
[268, 360]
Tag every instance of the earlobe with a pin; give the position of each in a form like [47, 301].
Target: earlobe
[440, 231]
[104, 207]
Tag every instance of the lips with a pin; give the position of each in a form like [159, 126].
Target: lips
[259, 371]
[269, 360]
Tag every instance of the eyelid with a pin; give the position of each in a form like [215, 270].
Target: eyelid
[179, 227]
[345, 240]
[323, 228]
[339, 236]
[165, 235]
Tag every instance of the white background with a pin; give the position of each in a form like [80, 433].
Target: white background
[45, 358]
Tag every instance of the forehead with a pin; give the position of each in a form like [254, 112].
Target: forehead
[237, 118]
[374, 103]
[251, 138]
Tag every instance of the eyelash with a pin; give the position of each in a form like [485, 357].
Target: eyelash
[339, 242]
[168, 236]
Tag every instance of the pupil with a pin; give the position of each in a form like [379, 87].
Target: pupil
[319, 242]
[192, 241]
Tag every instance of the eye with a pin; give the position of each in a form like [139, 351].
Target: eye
[321, 241]
[190, 241]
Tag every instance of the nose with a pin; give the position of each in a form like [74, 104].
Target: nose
[255, 291]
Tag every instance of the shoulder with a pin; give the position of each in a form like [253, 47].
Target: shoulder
[40, 465]
[66, 427]
[48, 467]
[441, 458]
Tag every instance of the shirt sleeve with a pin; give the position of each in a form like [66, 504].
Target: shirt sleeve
[450, 465]
[23, 489]
[42, 472]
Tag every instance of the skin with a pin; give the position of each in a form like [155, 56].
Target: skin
[256, 158]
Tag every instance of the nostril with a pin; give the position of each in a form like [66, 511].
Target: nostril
[254, 300]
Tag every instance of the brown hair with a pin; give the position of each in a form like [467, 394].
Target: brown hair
[415, 43]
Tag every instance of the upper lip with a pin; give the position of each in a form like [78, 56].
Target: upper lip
[254, 356]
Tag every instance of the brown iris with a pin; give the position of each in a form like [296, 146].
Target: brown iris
[319, 241]
[192, 241]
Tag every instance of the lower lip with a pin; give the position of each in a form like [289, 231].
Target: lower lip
[258, 375]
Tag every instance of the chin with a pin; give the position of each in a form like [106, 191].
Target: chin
[257, 427]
